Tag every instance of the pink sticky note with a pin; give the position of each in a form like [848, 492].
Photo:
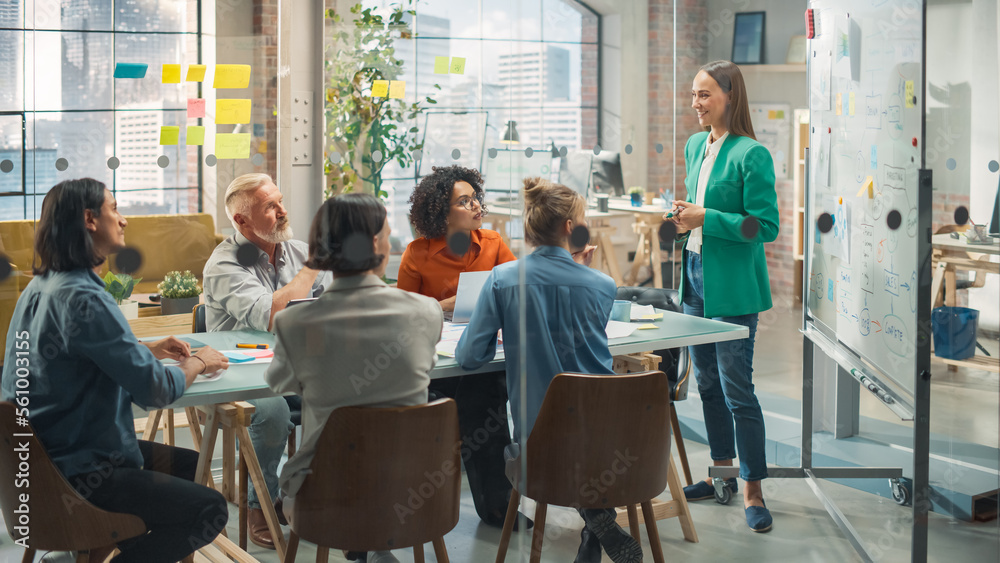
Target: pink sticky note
[196, 108]
[259, 353]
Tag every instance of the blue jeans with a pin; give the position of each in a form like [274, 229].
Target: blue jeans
[724, 372]
[269, 428]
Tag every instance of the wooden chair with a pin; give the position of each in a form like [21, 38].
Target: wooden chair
[59, 518]
[613, 428]
[382, 478]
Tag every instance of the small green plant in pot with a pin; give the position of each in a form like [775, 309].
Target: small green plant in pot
[178, 292]
[120, 287]
[635, 193]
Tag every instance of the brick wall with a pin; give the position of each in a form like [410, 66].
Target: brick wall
[265, 86]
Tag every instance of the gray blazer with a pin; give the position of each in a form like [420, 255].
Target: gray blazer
[361, 343]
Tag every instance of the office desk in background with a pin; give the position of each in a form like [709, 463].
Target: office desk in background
[648, 219]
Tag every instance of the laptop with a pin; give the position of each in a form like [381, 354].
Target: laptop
[470, 284]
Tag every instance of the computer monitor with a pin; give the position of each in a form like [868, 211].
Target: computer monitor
[606, 171]
[574, 171]
[994, 229]
[504, 174]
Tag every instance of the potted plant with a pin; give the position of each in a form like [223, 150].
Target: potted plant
[635, 192]
[178, 292]
[120, 287]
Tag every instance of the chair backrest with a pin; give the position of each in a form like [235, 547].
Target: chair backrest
[382, 478]
[675, 361]
[198, 318]
[56, 516]
[600, 441]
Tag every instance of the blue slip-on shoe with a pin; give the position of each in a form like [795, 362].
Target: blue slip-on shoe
[702, 490]
[759, 518]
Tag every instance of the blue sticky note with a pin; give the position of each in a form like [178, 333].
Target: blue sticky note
[829, 291]
[237, 357]
[130, 70]
[874, 157]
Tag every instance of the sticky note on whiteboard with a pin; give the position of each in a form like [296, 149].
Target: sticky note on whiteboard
[196, 73]
[169, 135]
[909, 94]
[441, 65]
[231, 76]
[840, 103]
[196, 108]
[232, 145]
[380, 89]
[228, 112]
[171, 74]
[397, 89]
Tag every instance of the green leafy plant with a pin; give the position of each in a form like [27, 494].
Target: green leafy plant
[635, 190]
[176, 285]
[120, 286]
[358, 126]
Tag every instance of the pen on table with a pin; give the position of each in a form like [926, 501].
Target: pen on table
[253, 346]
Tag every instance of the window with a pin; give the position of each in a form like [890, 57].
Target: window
[63, 115]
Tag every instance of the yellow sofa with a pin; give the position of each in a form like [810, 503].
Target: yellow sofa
[165, 243]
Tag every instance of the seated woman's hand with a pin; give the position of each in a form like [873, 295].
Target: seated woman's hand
[585, 256]
[448, 304]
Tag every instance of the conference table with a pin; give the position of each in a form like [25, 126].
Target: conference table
[242, 382]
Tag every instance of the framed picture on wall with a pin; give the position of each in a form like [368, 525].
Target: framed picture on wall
[748, 38]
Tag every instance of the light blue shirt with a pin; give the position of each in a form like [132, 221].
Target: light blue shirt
[84, 369]
[567, 306]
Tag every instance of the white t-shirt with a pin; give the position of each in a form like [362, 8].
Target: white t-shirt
[711, 151]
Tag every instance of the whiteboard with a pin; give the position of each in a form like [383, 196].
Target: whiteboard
[866, 124]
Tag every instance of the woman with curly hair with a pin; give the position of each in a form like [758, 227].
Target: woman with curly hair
[448, 202]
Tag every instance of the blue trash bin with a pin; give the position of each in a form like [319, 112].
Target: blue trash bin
[954, 331]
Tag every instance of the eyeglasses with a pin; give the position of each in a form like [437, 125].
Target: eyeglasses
[466, 202]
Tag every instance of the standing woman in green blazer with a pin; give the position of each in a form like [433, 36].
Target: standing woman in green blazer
[730, 212]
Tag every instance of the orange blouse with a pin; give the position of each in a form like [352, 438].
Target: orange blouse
[430, 269]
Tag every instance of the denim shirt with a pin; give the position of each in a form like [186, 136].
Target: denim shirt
[83, 368]
[567, 306]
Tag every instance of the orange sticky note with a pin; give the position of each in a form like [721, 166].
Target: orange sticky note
[196, 108]
[196, 135]
[232, 145]
[397, 89]
[231, 76]
[169, 135]
[228, 112]
[380, 88]
[772, 114]
[196, 73]
[171, 74]
[840, 104]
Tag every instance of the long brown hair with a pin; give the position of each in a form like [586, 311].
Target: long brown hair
[729, 78]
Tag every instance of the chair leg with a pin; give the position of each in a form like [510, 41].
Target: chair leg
[292, 549]
[539, 533]
[322, 554]
[654, 535]
[679, 440]
[243, 499]
[418, 553]
[440, 551]
[633, 522]
[508, 525]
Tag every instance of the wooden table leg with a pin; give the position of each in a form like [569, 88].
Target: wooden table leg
[266, 502]
[152, 425]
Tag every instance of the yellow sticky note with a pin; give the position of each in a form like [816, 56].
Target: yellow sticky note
[397, 89]
[653, 317]
[868, 184]
[772, 114]
[232, 145]
[169, 135]
[196, 135]
[458, 65]
[380, 88]
[909, 94]
[781, 114]
[171, 74]
[229, 112]
[646, 326]
[441, 65]
[196, 73]
[262, 147]
[850, 104]
[231, 76]
[840, 103]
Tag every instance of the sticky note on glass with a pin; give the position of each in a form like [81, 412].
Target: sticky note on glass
[130, 70]
[231, 76]
[646, 326]
[232, 145]
[772, 114]
[196, 108]
[909, 94]
[840, 103]
[380, 89]
[196, 73]
[850, 104]
[441, 65]
[171, 74]
[458, 65]
[196, 135]
[397, 89]
[781, 114]
[229, 112]
[169, 135]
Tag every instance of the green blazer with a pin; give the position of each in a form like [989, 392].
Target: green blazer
[741, 184]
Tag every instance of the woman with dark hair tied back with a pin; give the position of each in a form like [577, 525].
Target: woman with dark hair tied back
[567, 305]
[86, 370]
[731, 210]
[324, 350]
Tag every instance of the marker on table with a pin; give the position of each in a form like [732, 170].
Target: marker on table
[253, 346]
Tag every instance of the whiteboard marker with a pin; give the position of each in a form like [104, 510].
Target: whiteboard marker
[878, 391]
